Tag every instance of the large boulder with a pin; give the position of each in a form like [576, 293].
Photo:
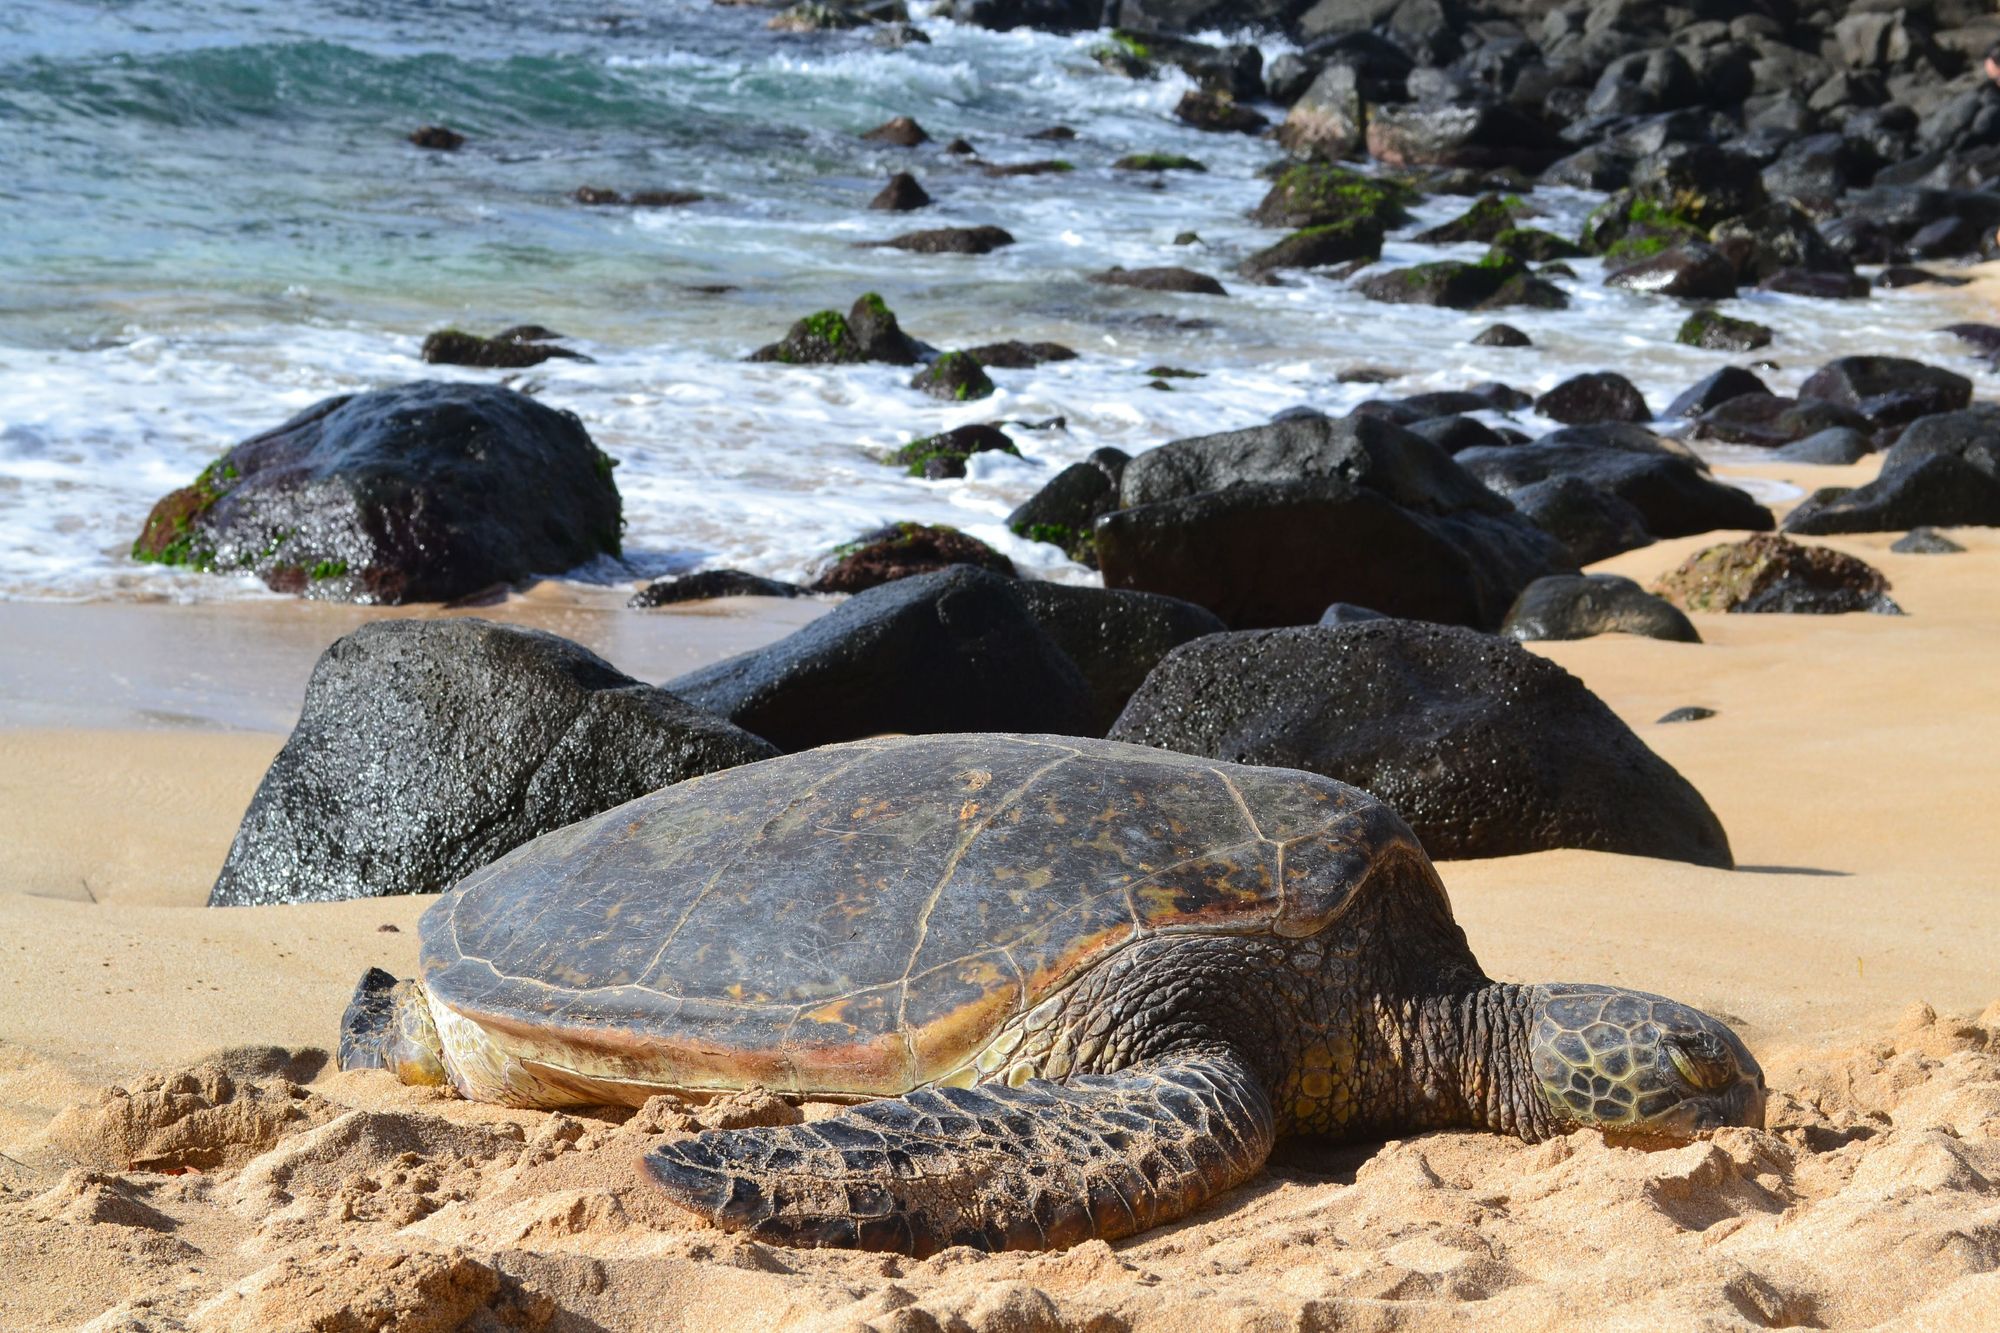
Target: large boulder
[1581, 606]
[955, 650]
[1485, 748]
[1065, 511]
[1267, 526]
[1669, 487]
[424, 492]
[1115, 637]
[429, 748]
[1767, 573]
[1592, 522]
[1873, 384]
[1943, 471]
[1436, 134]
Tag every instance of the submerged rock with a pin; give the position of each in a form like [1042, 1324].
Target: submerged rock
[951, 650]
[1019, 355]
[1768, 573]
[429, 748]
[1169, 279]
[957, 376]
[1485, 748]
[952, 240]
[708, 584]
[942, 456]
[901, 195]
[424, 492]
[902, 131]
[438, 138]
[511, 349]
[903, 550]
[1580, 606]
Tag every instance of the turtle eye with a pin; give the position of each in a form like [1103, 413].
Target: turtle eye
[1702, 1062]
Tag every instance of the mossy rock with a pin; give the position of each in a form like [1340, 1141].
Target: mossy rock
[1325, 246]
[1535, 245]
[1485, 220]
[1719, 333]
[867, 332]
[173, 535]
[942, 456]
[901, 550]
[1629, 227]
[1768, 573]
[1316, 194]
[957, 376]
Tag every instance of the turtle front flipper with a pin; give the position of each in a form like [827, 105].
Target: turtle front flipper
[1038, 1166]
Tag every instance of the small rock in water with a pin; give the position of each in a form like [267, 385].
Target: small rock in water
[942, 457]
[1218, 112]
[1053, 166]
[510, 349]
[1016, 355]
[1055, 133]
[1925, 541]
[438, 138]
[901, 195]
[1720, 333]
[711, 583]
[1502, 335]
[1188, 238]
[1687, 713]
[961, 148]
[955, 375]
[952, 240]
[1905, 275]
[1160, 280]
[903, 132]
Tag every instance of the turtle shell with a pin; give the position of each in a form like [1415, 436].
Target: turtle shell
[862, 919]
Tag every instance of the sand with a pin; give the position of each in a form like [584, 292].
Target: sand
[242, 1184]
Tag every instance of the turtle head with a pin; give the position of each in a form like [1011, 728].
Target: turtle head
[1633, 1063]
[388, 1026]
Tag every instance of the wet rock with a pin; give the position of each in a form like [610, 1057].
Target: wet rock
[1418, 134]
[1591, 522]
[1218, 112]
[1484, 747]
[952, 240]
[1984, 337]
[901, 195]
[603, 197]
[1160, 280]
[1065, 511]
[709, 584]
[1665, 483]
[1318, 194]
[1453, 434]
[424, 492]
[1584, 400]
[1774, 238]
[867, 332]
[951, 650]
[942, 456]
[1266, 526]
[1768, 573]
[1580, 606]
[955, 376]
[1491, 215]
[1770, 421]
[905, 550]
[1115, 637]
[1907, 275]
[1717, 332]
[1691, 272]
[510, 349]
[1821, 286]
[1863, 382]
[1329, 119]
[1925, 541]
[1714, 390]
[1325, 246]
[438, 138]
[1536, 246]
[903, 132]
[1687, 713]
[1502, 335]
[1019, 355]
[1836, 446]
[429, 748]
[817, 16]
[1451, 283]
[1054, 134]
[1050, 166]
[1943, 471]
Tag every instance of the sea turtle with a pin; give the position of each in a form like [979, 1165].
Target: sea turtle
[1079, 986]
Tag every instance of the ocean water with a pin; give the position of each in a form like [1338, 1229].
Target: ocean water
[210, 218]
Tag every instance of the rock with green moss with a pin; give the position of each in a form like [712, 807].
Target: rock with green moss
[510, 349]
[1719, 333]
[1065, 511]
[1157, 162]
[1219, 113]
[1771, 574]
[902, 550]
[1691, 271]
[1324, 246]
[956, 376]
[942, 457]
[424, 492]
[867, 332]
[1450, 282]
[1484, 221]
[1318, 194]
[1535, 245]
[1628, 227]
[1017, 355]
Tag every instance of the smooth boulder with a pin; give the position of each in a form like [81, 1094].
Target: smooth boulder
[421, 493]
[954, 650]
[1484, 747]
[1582, 606]
[429, 748]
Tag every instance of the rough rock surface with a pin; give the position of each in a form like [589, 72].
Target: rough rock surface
[954, 650]
[1485, 748]
[711, 583]
[427, 748]
[1115, 638]
[1770, 573]
[1943, 471]
[424, 492]
[902, 550]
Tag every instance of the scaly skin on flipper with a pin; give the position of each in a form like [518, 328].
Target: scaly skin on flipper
[1040, 1166]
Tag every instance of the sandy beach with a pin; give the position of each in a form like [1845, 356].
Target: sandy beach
[178, 1153]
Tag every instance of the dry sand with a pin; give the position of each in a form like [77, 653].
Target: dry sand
[1854, 761]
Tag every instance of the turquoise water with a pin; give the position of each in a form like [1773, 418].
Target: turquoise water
[210, 218]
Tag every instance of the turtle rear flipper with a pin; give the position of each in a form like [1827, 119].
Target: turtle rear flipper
[1038, 1166]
